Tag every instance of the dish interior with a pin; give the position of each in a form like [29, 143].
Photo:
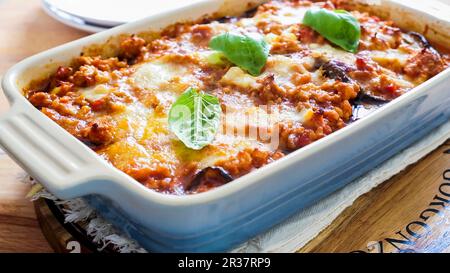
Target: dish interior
[307, 89]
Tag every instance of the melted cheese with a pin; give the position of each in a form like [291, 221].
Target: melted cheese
[238, 77]
[282, 68]
[390, 58]
[164, 75]
[96, 92]
[290, 16]
[260, 123]
[285, 15]
[168, 78]
[329, 52]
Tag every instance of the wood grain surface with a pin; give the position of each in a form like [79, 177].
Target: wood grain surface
[408, 213]
[24, 30]
[379, 221]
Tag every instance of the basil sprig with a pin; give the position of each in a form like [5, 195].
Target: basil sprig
[195, 118]
[248, 52]
[337, 26]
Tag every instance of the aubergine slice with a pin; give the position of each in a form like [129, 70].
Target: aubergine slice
[365, 102]
[426, 46]
[338, 70]
[207, 178]
[365, 97]
[421, 39]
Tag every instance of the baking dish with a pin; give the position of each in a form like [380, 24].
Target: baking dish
[221, 218]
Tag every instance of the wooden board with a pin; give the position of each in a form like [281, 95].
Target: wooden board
[381, 215]
[409, 212]
[64, 237]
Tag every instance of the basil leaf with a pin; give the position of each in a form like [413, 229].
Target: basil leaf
[216, 58]
[338, 27]
[194, 118]
[249, 53]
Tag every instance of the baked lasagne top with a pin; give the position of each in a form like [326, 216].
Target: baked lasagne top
[308, 88]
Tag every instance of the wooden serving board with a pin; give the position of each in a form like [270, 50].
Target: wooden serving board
[376, 221]
[408, 213]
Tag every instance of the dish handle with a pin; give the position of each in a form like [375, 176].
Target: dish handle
[48, 153]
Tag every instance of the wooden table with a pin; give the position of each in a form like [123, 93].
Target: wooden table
[24, 30]
[376, 222]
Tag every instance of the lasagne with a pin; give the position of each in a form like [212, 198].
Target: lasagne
[309, 88]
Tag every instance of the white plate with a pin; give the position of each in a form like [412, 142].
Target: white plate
[110, 13]
[71, 20]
